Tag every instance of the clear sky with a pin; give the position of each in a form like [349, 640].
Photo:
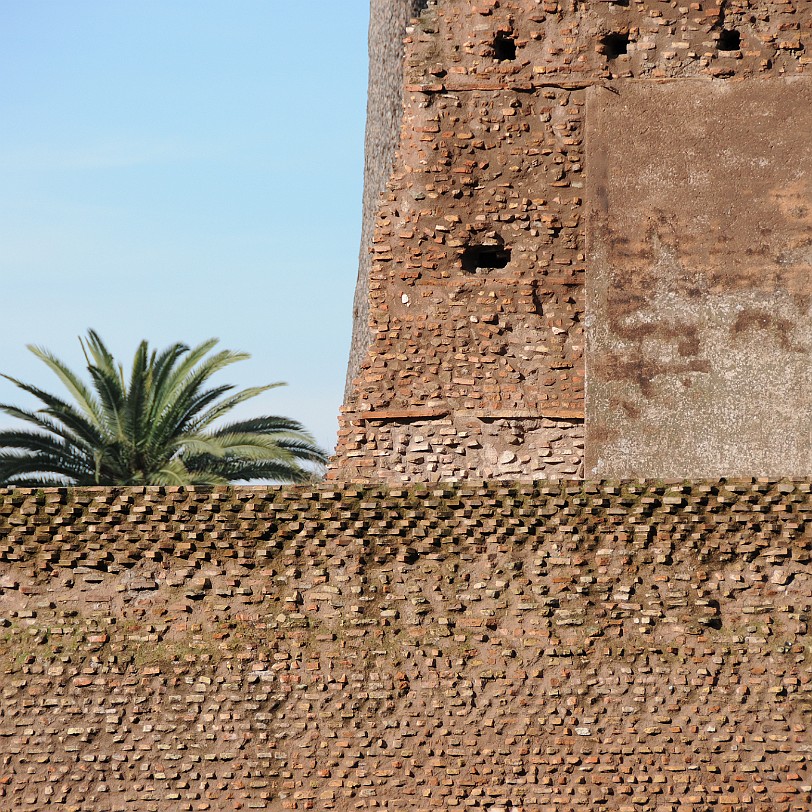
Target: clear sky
[180, 169]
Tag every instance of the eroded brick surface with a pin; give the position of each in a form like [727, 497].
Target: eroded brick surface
[492, 161]
[570, 646]
[387, 23]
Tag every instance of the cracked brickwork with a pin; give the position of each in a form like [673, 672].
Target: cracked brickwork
[479, 255]
[633, 647]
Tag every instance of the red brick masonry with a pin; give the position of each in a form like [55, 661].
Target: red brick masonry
[573, 646]
[477, 320]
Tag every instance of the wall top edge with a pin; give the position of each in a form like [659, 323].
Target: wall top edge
[446, 487]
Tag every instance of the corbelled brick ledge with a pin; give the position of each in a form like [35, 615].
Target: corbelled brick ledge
[634, 647]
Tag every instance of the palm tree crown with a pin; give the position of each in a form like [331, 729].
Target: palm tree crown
[156, 429]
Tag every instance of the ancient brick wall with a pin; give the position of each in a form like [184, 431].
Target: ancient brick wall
[491, 225]
[573, 646]
[387, 27]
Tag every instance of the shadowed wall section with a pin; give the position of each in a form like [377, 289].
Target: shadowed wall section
[387, 28]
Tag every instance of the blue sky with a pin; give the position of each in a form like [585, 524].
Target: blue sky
[180, 169]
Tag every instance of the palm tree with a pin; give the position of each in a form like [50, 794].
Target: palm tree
[156, 429]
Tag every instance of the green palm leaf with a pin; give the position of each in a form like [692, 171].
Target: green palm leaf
[83, 396]
[72, 429]
[156, 427]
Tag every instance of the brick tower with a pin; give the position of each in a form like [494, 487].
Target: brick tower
[613, 191]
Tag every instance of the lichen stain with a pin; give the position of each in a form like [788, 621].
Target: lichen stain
[750, 320]
[642, 371]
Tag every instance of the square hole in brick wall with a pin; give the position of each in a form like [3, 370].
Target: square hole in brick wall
[504, 48]
[615, 44]
[483, 257]
[729, 40]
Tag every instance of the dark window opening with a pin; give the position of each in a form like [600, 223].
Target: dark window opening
[729, 40]
[504, 48]
[477, 257]
[615, 44]
[620, 2]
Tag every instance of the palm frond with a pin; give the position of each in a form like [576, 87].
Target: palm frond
[84, 397]
[241, 470]
[111, 397]
[205, 419]
[14, 465]
[38, 443]
[162, 368]
[176, 473]
[158, 427]
[45, 480]
[104, 361]
[199, 444]
[177, 372]
[251, 446]
[135, 405]
[261, 446]
[304, 450]
[267, 424]
[174, 422]
[71, 430]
